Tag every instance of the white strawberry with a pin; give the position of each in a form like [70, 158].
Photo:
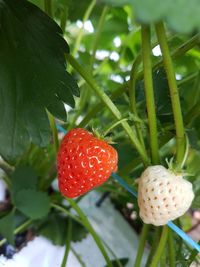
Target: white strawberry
[162, 195]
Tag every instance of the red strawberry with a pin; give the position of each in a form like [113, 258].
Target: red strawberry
[84, 162]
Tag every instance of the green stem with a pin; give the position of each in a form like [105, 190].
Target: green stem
[97, 108]
[98, 35]
[154, 246]
[193, 255]
[132, 89]
[148, 86]
[66, 212]
[19, 229]
[78, 257]
[48, 7]
[161, 247]
[67, 246]
[185, 47]
[110, 105]
[85, 94]
[163, 259]
[8, 169]
[122, 89]
[181, 50]
[132, 84]
[63, 19]
[171, 249]
[80, 33]
[91, 230]
[118, 263]
[141, 246]
[7, 181]
[107, 131]
[54, 131]
[176, 107]
[84, 221]
[192, 114]
[187, 147]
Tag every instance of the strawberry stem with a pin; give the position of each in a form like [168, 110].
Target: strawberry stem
[186, 151]
[107, 131]
[149, 93]
[97, 35]
[161, 247]
[81, 31]
[154, 246]
[48, 7]
[171, 249]
[67, 246]
[132, 87]
[122, 88]
[85, 93]
[19, 229]
[87, 224]
[140, 251]
[110, 105]
[176, 106]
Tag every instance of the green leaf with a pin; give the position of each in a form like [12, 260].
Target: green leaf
[32, 203]
[78, 232]
[23, 178]
[33, 77]
[182, 16]
[55, 228]
[7, 227]
[123, 262]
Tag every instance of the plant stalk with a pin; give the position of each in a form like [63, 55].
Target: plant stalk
[154, 246]
[148, 86]
[141, 246]
[132, 92]
[19, 229]
[80, 33]
[48, 7]
[85, 93]
[161, 246]
[176, 106]
[67, 246]
[122, 89]
[172, 262]
[110, 105]
[98, 35]
[87, 224]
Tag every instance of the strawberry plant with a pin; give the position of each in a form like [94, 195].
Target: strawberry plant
[101, 95]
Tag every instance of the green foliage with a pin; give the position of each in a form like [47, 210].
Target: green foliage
[23, 178]
[33, 77]
[55, 228]
[181, 16]
[32, 203]
[7, 227]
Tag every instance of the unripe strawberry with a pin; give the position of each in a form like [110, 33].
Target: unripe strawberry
[84, 162]
[162, 195]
